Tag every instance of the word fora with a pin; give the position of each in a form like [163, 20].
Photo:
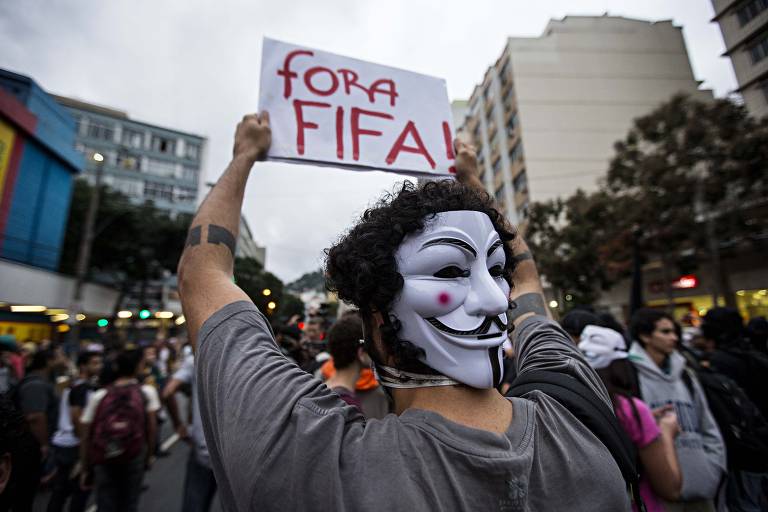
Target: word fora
[349, 80]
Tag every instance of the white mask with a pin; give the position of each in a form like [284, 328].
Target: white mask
[454, 300]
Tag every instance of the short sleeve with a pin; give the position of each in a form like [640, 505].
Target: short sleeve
[186, 372]
[153, 400]
[78, 396]
[642, 432]
[90, 407]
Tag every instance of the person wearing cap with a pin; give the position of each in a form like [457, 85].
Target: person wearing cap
[432, 269]
[653, 433]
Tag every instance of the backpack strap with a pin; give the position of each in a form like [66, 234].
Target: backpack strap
[583, 403]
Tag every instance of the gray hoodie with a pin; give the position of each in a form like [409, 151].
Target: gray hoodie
[700, 448]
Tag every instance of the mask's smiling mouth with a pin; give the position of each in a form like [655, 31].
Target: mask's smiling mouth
[480, 332]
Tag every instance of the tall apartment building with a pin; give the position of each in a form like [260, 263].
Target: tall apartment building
[744, 24]
[547, 113]
[141, 160]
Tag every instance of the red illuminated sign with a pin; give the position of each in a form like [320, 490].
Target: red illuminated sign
[685, 282]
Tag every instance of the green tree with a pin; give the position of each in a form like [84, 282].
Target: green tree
[251, 277]
[569, 239]
[690, 177]
[289, 306]
[132, 242]
[694, 176]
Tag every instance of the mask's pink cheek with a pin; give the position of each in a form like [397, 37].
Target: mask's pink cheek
[444, 298]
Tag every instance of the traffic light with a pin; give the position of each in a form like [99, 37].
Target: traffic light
[144, 314]
[102, 322]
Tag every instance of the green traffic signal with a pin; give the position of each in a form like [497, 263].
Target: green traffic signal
[102, 322]
[144, 314]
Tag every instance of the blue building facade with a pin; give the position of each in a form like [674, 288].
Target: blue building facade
[37, 165]
[145, 162]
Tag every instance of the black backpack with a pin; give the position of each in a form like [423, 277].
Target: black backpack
[744, 429]
[593, 413]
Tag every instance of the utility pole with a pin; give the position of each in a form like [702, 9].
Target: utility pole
[84, 257]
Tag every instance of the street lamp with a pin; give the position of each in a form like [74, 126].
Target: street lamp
[84, 254]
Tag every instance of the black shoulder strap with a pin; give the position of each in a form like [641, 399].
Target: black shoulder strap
[592, 412]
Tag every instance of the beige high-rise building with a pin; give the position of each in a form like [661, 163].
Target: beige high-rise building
[548, 112]
[744, 25]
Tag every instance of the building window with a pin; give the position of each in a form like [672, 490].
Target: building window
[193, 151]
[160, 168]
[764, 87]
[492, 114]
[516, 153]
[129, 187]
[507, 99]
[126, 161]
[512, 125]
[504, 73]
[750, 10]
[132, 138]
[154, 190]
[474, 107]
[163, 144]
[186, 195]
[522, 211]
[487, 93]
[496, 166]
[521, 182]
[189, 174]
[759, 50]
[499, 194]
[100, 130]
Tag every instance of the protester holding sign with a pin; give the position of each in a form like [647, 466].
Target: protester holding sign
[431, 269]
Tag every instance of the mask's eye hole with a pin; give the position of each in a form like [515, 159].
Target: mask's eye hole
[496, 271]
[451, 272]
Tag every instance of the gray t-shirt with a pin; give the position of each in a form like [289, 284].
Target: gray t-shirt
[279, 439]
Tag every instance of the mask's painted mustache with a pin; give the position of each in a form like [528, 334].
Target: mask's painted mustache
[479, 331]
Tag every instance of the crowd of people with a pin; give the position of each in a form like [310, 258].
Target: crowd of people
[57, 413]
[447, 386]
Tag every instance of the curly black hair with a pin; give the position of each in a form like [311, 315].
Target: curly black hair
[361, 267]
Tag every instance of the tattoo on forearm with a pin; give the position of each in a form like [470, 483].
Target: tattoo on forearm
[221, 235]
[216, 235]
[527, 303]
[193, 237]
[523, 256]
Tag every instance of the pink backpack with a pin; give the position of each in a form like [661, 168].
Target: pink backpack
[119, 428]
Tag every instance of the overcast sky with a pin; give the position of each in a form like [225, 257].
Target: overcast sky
[194, 65]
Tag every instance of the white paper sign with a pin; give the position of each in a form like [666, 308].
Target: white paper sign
[326, 109]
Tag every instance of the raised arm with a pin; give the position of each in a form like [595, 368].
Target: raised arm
[527, 293]
[206, 265]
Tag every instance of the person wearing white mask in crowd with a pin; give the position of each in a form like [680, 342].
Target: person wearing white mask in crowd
[652, 432]
[432, 269]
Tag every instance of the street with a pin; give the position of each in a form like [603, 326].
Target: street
[164, 483]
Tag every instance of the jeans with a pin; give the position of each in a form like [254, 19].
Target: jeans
[63, 485]
[199, 486]
[118, 486]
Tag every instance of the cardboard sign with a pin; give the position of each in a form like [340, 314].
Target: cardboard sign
[331, 110]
